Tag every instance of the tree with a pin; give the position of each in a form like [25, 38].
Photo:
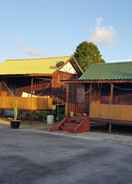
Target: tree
[87, 53]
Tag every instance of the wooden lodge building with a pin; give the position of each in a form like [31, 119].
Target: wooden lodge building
[104, 92]
[33, 84]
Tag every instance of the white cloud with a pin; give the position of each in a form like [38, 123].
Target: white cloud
[29, 51]
[102, 34]
[99, 21]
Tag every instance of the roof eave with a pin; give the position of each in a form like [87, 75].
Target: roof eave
[33, 74]
[96, 81]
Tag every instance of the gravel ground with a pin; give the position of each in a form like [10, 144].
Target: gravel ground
[36, 157]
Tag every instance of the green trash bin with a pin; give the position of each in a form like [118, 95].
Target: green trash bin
[60, 112]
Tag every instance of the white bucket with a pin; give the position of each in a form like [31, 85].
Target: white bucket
[50, 119]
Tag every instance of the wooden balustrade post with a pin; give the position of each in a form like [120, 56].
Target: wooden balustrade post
[90, 98]
[67, 99]
[110, 103]
[31, 89]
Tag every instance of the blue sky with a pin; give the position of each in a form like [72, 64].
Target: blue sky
[42, 28]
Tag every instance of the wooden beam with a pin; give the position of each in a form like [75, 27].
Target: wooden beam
[67, 100]
[110, 103]
[31, 89]
[90, 97]
[97, 81]
[111, 93]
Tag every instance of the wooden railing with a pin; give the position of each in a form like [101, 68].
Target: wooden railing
[34, 87]
[78, 108]
[114, 112]
[30, 103]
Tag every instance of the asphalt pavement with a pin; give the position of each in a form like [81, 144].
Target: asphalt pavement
[33, 157]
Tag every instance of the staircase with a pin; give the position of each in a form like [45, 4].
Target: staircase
[72, 125]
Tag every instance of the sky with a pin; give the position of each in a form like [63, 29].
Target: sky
[44, 28]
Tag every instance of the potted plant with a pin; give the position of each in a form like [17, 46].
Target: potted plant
[15, 123]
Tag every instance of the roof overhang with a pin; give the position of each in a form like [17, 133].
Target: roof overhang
[96, 81]
[26, 75]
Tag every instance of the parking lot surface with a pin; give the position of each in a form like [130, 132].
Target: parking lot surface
[33, 157]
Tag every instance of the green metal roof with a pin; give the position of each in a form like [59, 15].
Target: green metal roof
[109, 71]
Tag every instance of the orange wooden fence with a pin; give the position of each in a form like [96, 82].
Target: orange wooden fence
[111, 111]
[29, 103]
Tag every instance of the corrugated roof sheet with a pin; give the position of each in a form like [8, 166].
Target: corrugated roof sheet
[109, 71]
[31, 66]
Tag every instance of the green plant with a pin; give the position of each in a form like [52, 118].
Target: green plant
[15, 109]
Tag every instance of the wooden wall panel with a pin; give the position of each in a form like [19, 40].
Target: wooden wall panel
[30, 103]
[114, 112]
[58, 76]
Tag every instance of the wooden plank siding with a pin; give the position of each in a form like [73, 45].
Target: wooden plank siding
[30, 103]
[77, 99]
[76, 108]
[59, 76]
[110, 111]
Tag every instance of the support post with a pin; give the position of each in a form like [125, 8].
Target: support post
[67, 100]
[31, 89]
[90, 98]
[110, 127]
[110, 103]
[111, 93]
